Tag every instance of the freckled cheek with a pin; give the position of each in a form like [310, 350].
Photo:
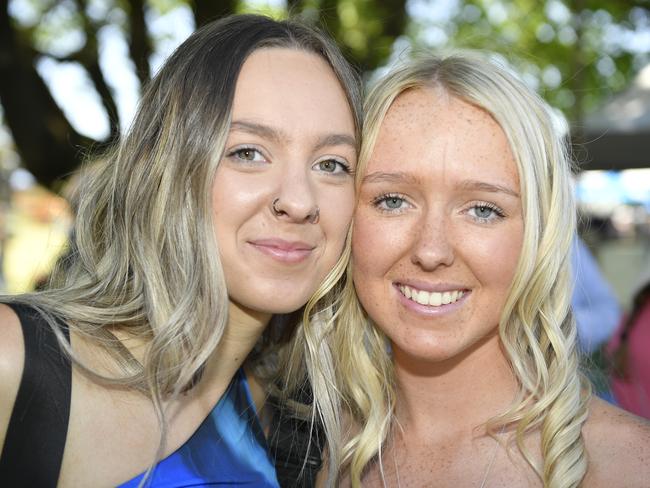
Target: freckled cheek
[377, 244]
[494, 258]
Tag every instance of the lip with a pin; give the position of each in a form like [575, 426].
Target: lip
[430, 310]
[284, 251]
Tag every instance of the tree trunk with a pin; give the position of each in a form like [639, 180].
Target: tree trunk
[49, 146]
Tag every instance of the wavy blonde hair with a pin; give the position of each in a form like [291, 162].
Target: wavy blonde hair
[144, 255]
[536, 328]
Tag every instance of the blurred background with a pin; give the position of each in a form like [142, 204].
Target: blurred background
[71, 72]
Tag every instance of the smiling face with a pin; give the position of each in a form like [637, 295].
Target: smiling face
[438, 229]
[292, 141]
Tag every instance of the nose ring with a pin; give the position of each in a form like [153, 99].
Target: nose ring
[314, 218]
[276, 210]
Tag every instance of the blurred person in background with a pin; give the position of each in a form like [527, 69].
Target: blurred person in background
[629, 352]
[595, 307]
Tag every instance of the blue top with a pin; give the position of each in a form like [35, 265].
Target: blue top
[227, 449]
[594, 304]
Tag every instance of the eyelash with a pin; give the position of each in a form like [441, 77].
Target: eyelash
[497, 211]
[233, 154]
[500, 214]
[388, 196]
[345, 167]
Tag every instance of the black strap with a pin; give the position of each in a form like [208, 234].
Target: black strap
[33, 448]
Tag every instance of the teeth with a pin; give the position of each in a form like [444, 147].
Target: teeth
[431, 298]
[421, 297]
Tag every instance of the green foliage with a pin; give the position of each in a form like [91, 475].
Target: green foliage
[572, 51]
[575, 52]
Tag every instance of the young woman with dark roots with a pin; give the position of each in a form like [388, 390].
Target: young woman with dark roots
[224, 209]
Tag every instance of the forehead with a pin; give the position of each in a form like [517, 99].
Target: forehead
[428, 131]
[293, 87]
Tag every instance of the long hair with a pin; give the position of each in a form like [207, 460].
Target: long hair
[536, 328]
[144, 257]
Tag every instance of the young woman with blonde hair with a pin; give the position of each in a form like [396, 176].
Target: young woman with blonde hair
[221, 212]
[455, 347]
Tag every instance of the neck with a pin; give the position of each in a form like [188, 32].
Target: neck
[243, 330]
[461, 393]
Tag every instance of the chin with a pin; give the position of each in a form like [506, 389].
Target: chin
[422, 354]
[276, 303]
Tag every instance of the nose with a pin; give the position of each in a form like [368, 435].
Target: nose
[432, 245]
[296, 200]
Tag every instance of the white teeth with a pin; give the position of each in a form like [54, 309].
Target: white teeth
[422, 297]
[434, 299]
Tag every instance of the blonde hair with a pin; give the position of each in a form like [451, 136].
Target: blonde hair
[144, 256]
[536, 329]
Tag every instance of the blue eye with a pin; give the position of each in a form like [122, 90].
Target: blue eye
[332, 166]
[390, 203]
[486, 212]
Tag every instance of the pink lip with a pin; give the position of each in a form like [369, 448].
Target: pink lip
[283, 251]
[430, 310]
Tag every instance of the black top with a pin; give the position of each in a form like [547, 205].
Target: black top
[33, 448]
[36, 435]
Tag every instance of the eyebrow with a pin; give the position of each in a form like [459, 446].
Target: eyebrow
[401, 177]
[393, 177]
[487, 187]
[267, 132]
[261, 130]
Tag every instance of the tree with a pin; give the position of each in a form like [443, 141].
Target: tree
[49, 145]
[575, 52]
[564, 47]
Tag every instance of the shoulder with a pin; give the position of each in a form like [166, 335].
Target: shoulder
[618, 446]
[12, 357]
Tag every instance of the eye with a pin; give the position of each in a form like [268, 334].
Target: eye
[247, 154]
[332, 166]
[390, 203]
[485, 212]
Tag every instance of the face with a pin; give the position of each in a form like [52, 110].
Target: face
[438, 228]
[283, 194]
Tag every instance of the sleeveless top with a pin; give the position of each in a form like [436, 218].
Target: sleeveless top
[227, 448]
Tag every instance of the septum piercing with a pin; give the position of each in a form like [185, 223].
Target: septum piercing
[316, 217]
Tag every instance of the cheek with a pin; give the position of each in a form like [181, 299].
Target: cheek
[495, 257]
[235, 201]
[377, 244]
[336, 214]
[230, 193]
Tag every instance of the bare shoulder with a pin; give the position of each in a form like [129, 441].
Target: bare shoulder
[618, 446]
[12, 357]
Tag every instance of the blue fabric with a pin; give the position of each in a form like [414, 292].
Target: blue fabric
[595, 307]
[228, 448]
